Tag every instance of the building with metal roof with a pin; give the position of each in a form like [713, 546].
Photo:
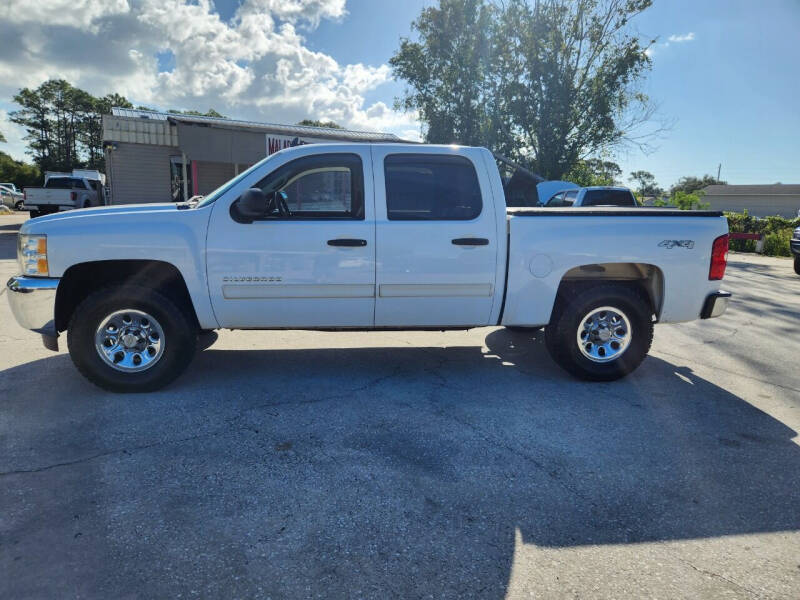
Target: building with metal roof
[161, 157]
[759, 200]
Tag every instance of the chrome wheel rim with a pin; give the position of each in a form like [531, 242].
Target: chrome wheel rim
[130, 341]
[604, 334]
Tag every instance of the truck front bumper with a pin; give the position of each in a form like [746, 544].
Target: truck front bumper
[716, 304]
[33, 302]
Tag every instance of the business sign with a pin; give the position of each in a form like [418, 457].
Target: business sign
[279, 142]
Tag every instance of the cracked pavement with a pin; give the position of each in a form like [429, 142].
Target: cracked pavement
[412, 465]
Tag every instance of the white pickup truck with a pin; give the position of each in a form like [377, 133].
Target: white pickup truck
[65, 191]
[362, 237]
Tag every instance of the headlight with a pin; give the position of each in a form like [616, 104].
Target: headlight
[32, 254]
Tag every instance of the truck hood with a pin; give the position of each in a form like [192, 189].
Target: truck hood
[34, 225]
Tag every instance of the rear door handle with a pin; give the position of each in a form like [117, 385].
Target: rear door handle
[471, 242]
[348, 242]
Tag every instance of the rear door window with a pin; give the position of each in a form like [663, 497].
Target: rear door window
[428, 187]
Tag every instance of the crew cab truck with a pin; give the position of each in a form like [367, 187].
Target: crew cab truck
[65, 191]
[361, 237]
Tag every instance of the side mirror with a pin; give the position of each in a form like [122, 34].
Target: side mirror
[253, 204]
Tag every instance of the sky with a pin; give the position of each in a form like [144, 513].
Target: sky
[725, 73]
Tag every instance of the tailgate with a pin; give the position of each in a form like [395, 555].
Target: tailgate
[42, 196]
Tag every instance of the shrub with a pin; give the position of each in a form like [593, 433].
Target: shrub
[777, 244]
[777, 232]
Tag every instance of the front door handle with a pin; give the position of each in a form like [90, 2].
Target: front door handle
[471, 242]
[347, 242]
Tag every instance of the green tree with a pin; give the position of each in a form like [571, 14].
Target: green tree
[689, 201]
[19, 173]
[692, 184]
[63, 124]
[594, 171]
[91, 134]
[317, 123]
[646, 186]
[450, 72]
[545, 82]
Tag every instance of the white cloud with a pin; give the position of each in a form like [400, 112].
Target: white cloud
[677, 39]
[69, 13]
[673, 39]
[15, 145]
[255, 66]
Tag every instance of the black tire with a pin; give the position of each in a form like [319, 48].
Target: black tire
[797, 264]
[19, 204]
[180, 338]
[35, 213]
[561, 334]
[87, 203]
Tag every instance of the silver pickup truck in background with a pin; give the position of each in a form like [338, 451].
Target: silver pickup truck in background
[65, 191]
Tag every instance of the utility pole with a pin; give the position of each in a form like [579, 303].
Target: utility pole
[719, 169]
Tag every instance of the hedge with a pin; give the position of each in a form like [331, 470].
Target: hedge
[777, 232]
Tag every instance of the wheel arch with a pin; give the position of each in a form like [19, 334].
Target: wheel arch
[646, 277]
[82, 279]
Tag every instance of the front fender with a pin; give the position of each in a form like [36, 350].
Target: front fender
[176, 237]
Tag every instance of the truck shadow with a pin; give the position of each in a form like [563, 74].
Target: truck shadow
[407, 471]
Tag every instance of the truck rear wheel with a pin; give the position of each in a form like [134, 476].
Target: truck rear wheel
[797, 264]
[601, 333]
[130, 339]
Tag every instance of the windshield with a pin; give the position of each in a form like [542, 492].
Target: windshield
[212, 197]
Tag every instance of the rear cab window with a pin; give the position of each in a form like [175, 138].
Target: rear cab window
[608, 198]
[430, 187]
[64, 183]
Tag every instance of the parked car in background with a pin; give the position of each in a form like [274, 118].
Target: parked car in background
[365, 237]
[10, 196]
[592, 196]
[794, 244]
[64, 191]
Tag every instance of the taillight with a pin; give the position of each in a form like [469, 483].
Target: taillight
[719, 258]
[73, 196]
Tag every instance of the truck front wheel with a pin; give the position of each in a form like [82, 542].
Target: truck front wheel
[797, 264]
[601, 333]
[130, 339]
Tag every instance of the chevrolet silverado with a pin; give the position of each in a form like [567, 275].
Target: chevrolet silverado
[362, 237]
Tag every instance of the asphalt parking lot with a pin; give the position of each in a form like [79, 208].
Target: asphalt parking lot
[413, 465]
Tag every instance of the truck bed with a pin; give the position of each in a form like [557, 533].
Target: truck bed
[609, 211]
[668, 245]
